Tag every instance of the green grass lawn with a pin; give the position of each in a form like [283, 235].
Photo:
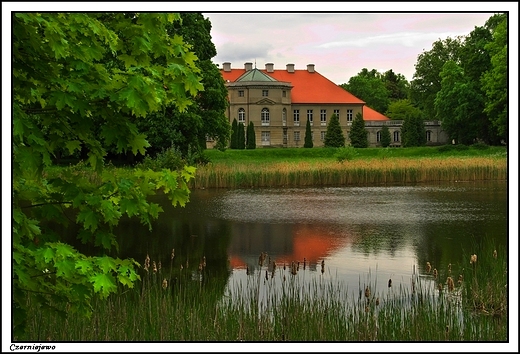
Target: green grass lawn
[263, 155]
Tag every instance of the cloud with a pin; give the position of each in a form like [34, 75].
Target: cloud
[238, 51]
[406, 39]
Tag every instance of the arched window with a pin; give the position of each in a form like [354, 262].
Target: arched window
[378, 135]
[396, 136]
[241, 115]
[265, 116]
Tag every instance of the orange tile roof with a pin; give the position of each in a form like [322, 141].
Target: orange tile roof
[308, 87]
[370, 114]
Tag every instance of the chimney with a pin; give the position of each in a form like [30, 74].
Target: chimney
[290, 68]
[248, 66]
[227, 66]
[310, 68]
[269, 67]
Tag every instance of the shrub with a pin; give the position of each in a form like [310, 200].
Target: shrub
[170, 159]
[480, 146]
[345, 153]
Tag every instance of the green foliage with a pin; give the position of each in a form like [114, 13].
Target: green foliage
[308, 136]
[358, 134]
[241, 137]
[80, 81]
[205, 118]
[251, 136]
[413, 132]
[334, 136]
[397, 86]
[345, 154]
[426, 79]
[170, 159]
[474, 83]
[233, 142]
[400, 109]
[454, 103]
[494, 81]
[369, 86]
[386, 138]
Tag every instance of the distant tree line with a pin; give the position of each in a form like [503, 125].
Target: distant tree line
[461, 82]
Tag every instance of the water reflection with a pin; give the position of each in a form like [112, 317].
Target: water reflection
[362, 234]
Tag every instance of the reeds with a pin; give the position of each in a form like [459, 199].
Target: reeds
[179, 308]
[357, 172]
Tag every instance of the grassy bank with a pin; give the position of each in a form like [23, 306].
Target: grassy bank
[189, 307]
[324, 167]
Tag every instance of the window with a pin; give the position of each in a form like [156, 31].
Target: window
[265, 116]
[349, 115]
[378, 136]
[396, 136]
[265, 93]
[240, 93]
[428, 136]
[336, 112]
[296, 136]
[309, 115]
[241, 115]
[323, 117]
[284, 93]
[266, 138]
[296, 116]
[322, 136]
[284, 117]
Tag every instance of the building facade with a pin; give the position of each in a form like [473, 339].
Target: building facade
[279, 103]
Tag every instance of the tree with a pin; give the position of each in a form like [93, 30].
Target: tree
[453, 104]
[251, 136]
[397, 86]
[475, 60]
[369, 87]
[386, 139]
[206, 117]
[233, 143]
[400, 109]
[334, 135]
[241, 137]
[413, 132]
[79, 80]
[494, 81]
[308, 135]
[426, 80]
[358, 134]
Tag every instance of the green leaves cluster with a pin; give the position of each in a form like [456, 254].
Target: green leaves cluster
[80, 81]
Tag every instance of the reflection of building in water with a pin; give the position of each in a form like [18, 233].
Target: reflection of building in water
[284, 243]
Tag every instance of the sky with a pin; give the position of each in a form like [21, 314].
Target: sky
[339, 44]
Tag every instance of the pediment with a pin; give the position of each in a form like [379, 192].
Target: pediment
[265, 101]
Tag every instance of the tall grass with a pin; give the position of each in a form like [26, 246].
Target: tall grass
[276, 303]
[356, 172]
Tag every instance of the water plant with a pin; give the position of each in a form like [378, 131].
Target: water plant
[275, 303]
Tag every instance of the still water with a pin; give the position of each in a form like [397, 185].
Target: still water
[362, 235]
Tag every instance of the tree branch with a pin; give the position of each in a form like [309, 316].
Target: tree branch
[42, 204]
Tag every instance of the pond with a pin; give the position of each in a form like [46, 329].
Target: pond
[354, 235]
